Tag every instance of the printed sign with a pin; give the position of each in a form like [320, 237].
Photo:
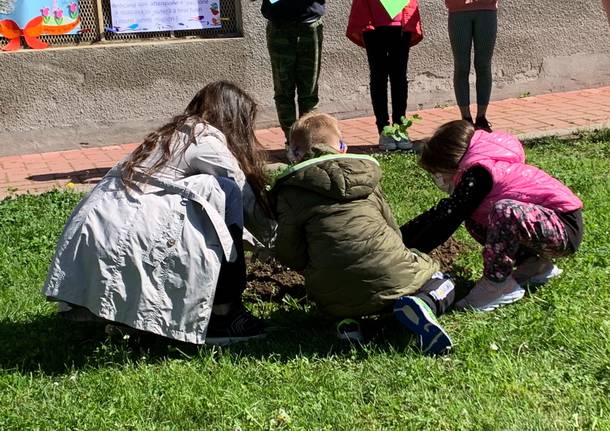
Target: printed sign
[132, 16]
[393, 7]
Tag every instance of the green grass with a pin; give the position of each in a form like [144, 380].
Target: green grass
[540, 364]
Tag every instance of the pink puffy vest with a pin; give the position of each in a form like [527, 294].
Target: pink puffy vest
[503, 157]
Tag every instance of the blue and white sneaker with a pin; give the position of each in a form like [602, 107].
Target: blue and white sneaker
[417, 316]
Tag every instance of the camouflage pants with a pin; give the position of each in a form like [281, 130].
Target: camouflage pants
[295, 51]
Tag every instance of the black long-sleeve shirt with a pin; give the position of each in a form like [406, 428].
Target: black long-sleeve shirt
[295, 11]
[433, 227]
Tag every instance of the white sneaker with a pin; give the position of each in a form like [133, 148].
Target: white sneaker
[488, 295]
[404, 144]
[535, 271]
[387, 143]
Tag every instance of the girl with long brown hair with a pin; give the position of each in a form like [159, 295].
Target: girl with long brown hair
[157, 245]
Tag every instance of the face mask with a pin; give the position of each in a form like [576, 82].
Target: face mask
[439, 180]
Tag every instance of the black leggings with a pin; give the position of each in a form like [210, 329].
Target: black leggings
[232, 278]
[387, 50]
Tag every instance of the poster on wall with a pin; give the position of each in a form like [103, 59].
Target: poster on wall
[32, 18]
[132, 16]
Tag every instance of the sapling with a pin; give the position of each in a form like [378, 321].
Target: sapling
[400, 132]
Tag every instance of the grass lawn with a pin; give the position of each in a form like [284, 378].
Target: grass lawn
[540, 364]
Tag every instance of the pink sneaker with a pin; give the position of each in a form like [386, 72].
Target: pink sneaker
[487, 295]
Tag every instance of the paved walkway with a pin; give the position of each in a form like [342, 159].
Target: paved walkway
[556, 113]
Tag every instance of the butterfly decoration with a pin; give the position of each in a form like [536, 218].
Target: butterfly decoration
[31, 32]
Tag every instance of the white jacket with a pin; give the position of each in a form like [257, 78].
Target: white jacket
[151, 260]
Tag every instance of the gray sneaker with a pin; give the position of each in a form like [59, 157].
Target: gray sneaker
[487, 295]
[387, 143]
[404, 144]
[535, 271]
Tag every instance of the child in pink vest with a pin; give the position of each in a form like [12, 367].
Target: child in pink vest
[521, 215]
[387, 40]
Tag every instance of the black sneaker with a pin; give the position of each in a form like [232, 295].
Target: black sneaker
[235, 326]
[482, 124]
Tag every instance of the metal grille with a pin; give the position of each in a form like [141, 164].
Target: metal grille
[91, 32]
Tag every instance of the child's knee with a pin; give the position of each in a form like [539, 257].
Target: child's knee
[504, 211]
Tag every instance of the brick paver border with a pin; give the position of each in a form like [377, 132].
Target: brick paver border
[555, 113]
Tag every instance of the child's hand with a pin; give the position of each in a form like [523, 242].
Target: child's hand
[263, 254]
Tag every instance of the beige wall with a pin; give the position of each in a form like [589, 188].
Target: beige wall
[114, 93]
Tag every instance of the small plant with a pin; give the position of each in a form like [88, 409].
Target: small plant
[400, 131]
[524, 95]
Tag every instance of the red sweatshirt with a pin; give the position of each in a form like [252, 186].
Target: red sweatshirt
[367, 15]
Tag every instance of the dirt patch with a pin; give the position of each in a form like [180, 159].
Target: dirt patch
[448, 252]
[271, 282]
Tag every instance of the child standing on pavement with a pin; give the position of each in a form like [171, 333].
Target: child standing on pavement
[387, 41]
[294, 41]
[473, 22]
[521, 215]
[334, 223]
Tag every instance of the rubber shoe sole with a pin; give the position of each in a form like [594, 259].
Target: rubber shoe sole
[505, 299]
[404, 145]
[509, 298]
[226, 341]
[415, 314]
[538, 280]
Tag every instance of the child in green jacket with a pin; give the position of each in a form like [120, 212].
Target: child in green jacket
[334, 223]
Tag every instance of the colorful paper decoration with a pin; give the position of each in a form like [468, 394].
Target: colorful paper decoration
[129, 16]
[393, 7]
[33, 18]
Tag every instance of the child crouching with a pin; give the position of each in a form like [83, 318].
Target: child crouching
[334, 223]
[521, 215]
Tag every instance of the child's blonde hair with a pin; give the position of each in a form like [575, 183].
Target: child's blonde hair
[312, 129]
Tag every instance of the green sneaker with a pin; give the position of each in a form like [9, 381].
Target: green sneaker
[349, 330]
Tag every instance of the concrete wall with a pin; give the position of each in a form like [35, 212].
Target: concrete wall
[114, 93]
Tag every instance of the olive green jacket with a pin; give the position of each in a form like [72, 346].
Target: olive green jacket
[334, 223]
